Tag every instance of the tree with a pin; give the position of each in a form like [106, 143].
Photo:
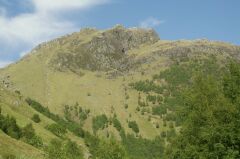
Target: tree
[126, 106]
[159, 110]
[133, 125]
[72, 150]
[231, 81]
[210, 128]
[55, 150]
[117, 124]
[57, 129]
[82, 116]
[110, 150]
[28, 131]
[99, 122]
[140, 148]
[9, 126]
[63, 150]
[29, 136]
[36, 118]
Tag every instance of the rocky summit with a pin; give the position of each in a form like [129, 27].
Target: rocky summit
[93, 49]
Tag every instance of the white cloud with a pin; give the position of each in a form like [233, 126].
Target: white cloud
[46, 22]
[151, 22]
[4, 63]
[54, 5]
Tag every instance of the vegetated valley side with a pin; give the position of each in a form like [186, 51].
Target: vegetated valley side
[122, 93]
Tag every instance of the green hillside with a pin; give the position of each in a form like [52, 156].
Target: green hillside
[121, 88]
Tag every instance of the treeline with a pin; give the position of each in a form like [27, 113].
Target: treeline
[76, 112]
[147, 86]
[99, 148]
[60, 149]
[210, 116]
[9, 126]
[61, 123]
[203, 97]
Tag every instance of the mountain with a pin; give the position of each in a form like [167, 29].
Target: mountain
[110, 72]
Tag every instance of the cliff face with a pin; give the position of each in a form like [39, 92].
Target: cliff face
[107, 50]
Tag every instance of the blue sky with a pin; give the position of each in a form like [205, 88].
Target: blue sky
[26, 23]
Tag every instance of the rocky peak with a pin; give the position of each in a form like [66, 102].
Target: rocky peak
[105, 50]
[130, 38]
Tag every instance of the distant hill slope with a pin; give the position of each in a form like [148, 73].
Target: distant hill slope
[94, 69]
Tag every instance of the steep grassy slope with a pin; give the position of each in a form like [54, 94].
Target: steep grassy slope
[94, 68]
[13, 104]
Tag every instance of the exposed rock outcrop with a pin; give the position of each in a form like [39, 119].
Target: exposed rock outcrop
[107, 50]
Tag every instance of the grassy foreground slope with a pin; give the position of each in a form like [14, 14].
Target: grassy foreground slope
[13, 105]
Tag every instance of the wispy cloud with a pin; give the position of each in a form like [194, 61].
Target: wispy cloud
[151, 22]
[47, 21]
[57, 5]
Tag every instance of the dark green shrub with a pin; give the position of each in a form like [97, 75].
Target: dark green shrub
[133, 125]
[117, 124]
[130, 115]
[164, 123]
[163, 134]
[80, 110]
[68, 124]
[87, 111]
[159, 99]
[77, 130]
[28, 131]
[36, 118]
[171, 125]
[140, 148]
[55, 149]
[72, 150]
[159, 110]
[29, 136]
[35, 141]
[170, 134]
[146, 86]
[138, 109]
[57, 129]
[9, 126]
[170, 117]
[157, 125]
[110, 150]
[99, 122]
[18, 92]
[141, 104]
[152, 98]
[83, 116]
[177, 74]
